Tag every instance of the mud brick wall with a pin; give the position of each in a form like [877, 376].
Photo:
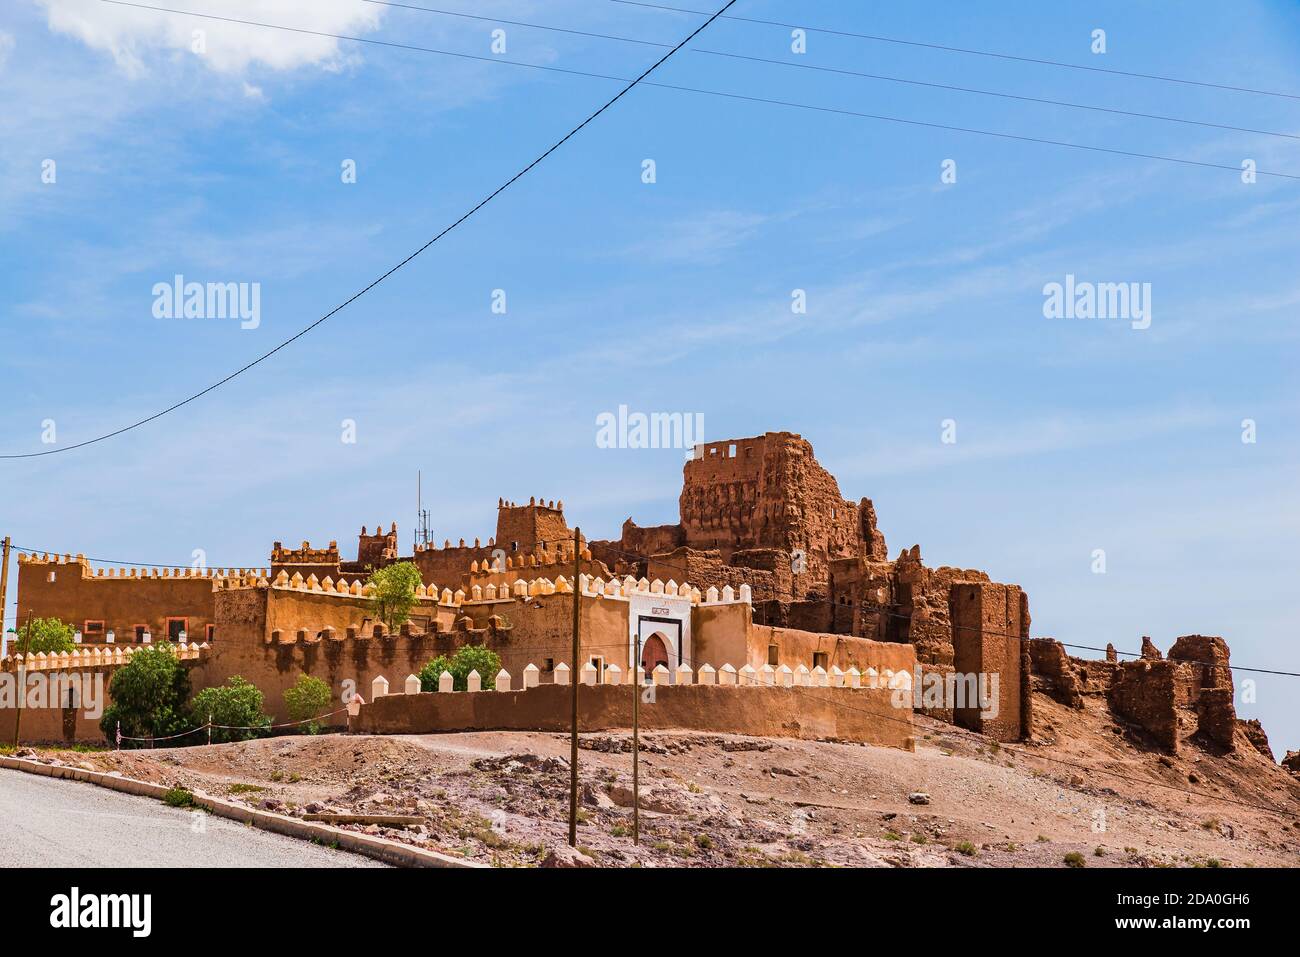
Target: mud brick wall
[844, 714]
[989, 621]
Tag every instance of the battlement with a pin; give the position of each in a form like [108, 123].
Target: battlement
[93, 656]
[306, 555]
[117, 573]
[534, 503]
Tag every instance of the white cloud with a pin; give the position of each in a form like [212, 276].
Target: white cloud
[131, 34]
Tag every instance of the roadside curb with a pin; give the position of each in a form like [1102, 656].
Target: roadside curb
[379, 848]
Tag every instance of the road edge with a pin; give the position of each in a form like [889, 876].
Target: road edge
[369, 845]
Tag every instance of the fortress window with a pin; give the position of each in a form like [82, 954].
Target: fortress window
[731, 451]
[50, 577]
[550, 664]
[773, 655]
[92, 627]
[599, 662]
[514, 546]
[140, 632]
[821, 660]
[210, 632]
[175, 626]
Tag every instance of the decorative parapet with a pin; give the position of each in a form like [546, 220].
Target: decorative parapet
[114, 573]
[93, 656]
[628, 586]
[726, 675]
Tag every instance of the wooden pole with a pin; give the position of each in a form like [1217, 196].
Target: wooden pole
[4, 589]
[575, 678]
[636, 740]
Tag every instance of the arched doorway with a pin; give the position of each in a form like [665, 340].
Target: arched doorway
[654, 652]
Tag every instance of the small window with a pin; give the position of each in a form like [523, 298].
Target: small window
[210, 632]
[50, 577]
[773, 655]
[550, 664]
[514, 546]
[599, 662]
[140, 632]
[731, 451]
[821, 660]
[93, 627]
[175, 626]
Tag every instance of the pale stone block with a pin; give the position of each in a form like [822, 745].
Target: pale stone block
[613, 674]
[532, 677]
[412, 684]
[588, 674]
[446, 682]
[819, 677]
[784, 677]
[707, 675]
[749, 677]
[474, 681]
[853, 678]
[684, 675]
[660, 675]
[837, 677]
[503, 680]
[561, 674]
[727, 674]
[802, 678]
[378, 687]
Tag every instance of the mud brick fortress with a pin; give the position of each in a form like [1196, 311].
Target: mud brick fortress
[771, 607]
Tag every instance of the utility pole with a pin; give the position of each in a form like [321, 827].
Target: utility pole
[22, 681]
[636, 741]
[4, 589]
[575, 677]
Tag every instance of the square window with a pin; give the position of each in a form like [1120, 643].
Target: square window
[95, 627]
[821, 660]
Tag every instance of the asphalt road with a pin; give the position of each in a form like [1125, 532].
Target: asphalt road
[56, 823]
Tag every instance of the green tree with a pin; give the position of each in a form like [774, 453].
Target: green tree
[237, 704]
[394, 592]
[308, 698]
[466, 659]
[149, 697]
[44, 634]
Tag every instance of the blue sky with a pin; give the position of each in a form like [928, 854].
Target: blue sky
[925, 299]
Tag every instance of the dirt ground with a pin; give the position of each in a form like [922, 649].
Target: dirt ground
[713, 800]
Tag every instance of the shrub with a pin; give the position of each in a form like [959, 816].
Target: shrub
[236, 704]
[394, 592]
[1074, 859]
[178, 797]
[308, 698]
[148, 697]
[44, 634]
[466, 659]
[967, 848]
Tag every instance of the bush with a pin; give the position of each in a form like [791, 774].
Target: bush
[178, 797]
[394, 592]
[236, 704]
[466, 659]
[1074, 859]
[44, 634]
[149, 697]
[308, 698]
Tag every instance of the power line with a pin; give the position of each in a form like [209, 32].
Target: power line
[881, 609]
[972, 52]
[357, 295]
[629, 85]
[841, 72]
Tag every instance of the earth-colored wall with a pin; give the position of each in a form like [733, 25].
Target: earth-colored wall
[843, 714]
